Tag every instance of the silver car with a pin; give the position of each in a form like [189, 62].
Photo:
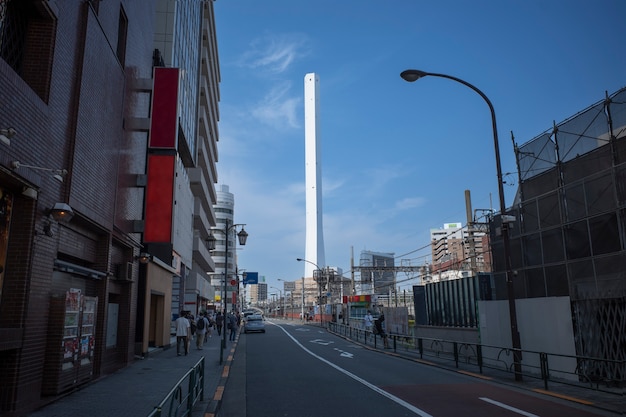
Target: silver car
[254, 323]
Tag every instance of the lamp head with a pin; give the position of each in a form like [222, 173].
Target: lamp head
[143, 257]
[8, 132]
[411, 75]
[61, 212]
[211, 241]
[299, 259]
[243, 237]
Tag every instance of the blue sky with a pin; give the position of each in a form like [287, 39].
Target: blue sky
[396, 156]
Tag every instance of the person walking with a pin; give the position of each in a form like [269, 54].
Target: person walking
[219, 322]
[183, 333]
[209, 329]
[233, 325]
[381, 330]
[201, 327]
[369, 321]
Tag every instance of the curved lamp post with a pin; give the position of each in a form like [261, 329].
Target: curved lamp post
[319, 285]
[411, 75]
[211, 241]
[280, 300]
[291, 292]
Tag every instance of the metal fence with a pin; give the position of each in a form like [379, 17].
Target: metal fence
[548, 368]
[179, 402]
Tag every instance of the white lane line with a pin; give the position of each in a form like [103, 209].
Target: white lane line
[373, 387]
[508, 407]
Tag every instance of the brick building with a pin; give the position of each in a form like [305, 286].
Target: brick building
[71, 192]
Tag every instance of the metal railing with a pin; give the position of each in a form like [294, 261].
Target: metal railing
[189, 389]
[599, 374]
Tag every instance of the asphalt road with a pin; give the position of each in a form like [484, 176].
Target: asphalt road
[302, 371]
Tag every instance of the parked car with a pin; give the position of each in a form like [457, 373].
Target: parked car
[254, 323]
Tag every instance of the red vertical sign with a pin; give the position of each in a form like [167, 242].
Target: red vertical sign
[164, 123]
[159, 198]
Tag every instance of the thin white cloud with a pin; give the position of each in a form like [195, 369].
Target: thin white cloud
[275, 53]
[329, 186]
[383, 175]
[277, 109]
[409, 203]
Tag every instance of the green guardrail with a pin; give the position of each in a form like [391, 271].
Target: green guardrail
[186, 393]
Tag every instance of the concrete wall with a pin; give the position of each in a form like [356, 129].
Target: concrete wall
[537, 333]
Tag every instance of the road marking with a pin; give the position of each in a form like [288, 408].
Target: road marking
[369, 385]
[508, 407]
[322, 342]
[344, 353]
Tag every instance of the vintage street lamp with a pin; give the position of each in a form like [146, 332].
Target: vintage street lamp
[211, 241]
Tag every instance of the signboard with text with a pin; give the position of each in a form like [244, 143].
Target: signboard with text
[251, 278]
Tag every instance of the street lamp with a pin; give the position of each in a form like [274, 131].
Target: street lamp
[291, 289]
[411, 75]
[319, 283]
[280, 300]
[211, 241]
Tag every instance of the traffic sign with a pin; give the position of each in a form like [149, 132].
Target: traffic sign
[251, 278]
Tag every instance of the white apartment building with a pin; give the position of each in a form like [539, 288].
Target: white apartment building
[456, 252]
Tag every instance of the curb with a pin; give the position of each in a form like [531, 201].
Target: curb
[215, 403]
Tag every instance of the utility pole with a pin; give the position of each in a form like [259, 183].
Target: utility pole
[470, 232]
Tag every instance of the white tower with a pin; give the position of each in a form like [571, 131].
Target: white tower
[314, 249]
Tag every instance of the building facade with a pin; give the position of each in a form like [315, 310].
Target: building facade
[258, 294]
[377, 272]
[104, 214]
[225, 287]
[457, 251]
[68, 275]
[569, 237]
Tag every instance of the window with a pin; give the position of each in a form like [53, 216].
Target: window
[27, 36]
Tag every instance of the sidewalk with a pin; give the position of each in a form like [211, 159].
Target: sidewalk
[135, 390]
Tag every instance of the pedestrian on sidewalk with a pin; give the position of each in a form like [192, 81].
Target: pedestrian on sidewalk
[381, 330]
[233, 326]
[183, 333]
[209, 330]
[201, 327]
[369, 321]
[219, 322]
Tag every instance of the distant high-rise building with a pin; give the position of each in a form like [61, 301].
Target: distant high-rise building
[377, 273]
[225, 213]
[452, 249]
[258, 293]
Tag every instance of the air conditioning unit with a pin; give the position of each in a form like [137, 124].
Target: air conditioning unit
[124, 271]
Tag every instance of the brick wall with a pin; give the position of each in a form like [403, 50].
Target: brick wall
[72, 119]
